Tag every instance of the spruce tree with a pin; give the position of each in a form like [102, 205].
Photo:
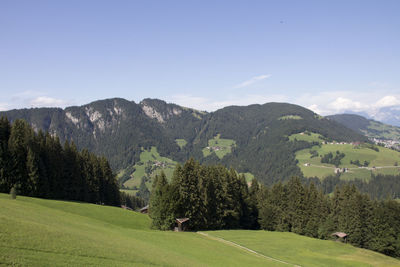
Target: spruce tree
[5, 157]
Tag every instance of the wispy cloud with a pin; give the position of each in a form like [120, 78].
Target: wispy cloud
[252, 81]
[212, 104]
[45, 101]
[327, 103]
[32, 98]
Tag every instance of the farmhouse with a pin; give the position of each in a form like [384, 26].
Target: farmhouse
[180, 224]
[340, 236]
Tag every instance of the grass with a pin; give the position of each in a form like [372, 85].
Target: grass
[149, 158]
[383, 160]
[305, 251]
[290, 117]
[35, 232]
[385, 131]
[219, 146]
[181, 142]
[38, 232]
[310, 137]
[249, 176]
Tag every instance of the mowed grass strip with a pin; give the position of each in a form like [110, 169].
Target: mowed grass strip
[37, 232]
[305, 251]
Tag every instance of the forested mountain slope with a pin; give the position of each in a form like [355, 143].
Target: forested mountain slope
[368, 127]
[252, 138]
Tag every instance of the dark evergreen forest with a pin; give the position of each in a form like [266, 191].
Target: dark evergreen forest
[37, 165]
[213, 197]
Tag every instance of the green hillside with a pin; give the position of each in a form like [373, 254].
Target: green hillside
[305, 251]
[368, 127]
[219, 146]
[383, 161]
[150, 164]
[38, 232]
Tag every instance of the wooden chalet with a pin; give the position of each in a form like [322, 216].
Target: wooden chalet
[180, 225]
[340, 236]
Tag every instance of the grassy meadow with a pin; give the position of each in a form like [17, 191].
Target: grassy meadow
[384, 161]
[38, 232]
[181, 142]
[220, 146]
[305, 251]
[149, 158]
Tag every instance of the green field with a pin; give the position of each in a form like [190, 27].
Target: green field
[220, 146]
[385, 131]
[308, 137]
[38, 232]
[155, 163]
[305, 251]
[249, 176]
[290, 117]
[383, 161]
[181, 142]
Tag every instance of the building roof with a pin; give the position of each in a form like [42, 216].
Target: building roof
[145, 208]
[182, 220]
[340, 234]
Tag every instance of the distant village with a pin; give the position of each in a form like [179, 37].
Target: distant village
[393, 144]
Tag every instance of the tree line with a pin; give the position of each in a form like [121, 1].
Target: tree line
[305, 210]
[37, 165]
[213, 197]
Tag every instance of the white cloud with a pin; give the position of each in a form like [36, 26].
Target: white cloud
[4, 106]
[387, 101]
[314, 108]
[31, 98]
[212, 104]
[334, 102]
[342, 104]
[45, 101]
[252, 81]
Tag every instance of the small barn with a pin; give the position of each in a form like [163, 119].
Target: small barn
[340, 236]
[180, 224]
[145, 209]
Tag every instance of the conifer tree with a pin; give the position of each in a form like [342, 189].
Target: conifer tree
[143, 192]
[5, 172]
[18, 143]
[32, 166]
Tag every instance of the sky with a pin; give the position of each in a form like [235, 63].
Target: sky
[329, 56]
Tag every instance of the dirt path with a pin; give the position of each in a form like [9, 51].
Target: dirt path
[230, 243]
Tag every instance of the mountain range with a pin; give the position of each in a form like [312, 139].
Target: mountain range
[252, 139]
[368, 127]
[387, 115]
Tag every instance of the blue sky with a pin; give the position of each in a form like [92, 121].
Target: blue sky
[329, 56]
